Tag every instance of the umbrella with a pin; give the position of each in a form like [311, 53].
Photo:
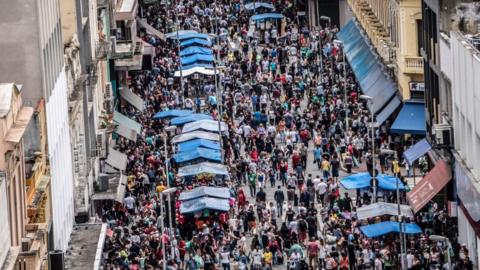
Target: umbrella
[363, 180]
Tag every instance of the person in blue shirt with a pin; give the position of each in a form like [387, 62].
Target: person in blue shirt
[317, 155]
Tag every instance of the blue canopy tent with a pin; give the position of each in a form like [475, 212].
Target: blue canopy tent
[382, 228]
[363, 180]
[205, 65]
[204, 153]
[193, 144]
[195, 50]
[189, 118]
[416, 151]
[204, 167]
[410, 119]
[171, 113]
[215, 204]
[196, 135]
[255, 5]
[173, 35]
[199, 192]
[266, 16]
[197, 57]
[197, 41]
[185, 36]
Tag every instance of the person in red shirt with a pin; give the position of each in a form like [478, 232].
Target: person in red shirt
[254, 154]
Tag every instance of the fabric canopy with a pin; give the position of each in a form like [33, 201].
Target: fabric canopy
[196, 135]
[172, 113]
[255, 5]
[126, 132]
[382, 228]
[189, 118]
[193, 144]
[367, 69]
[205, 153]
[193, 70]
[132, 98]
[411, 119]
[198, 41]
[388, 110]
[363, 180]
[187, 67]
[204, 167]
[416, 151]
[429, 186]
[207, 125]
[197, 57]
[127, 122]
[116, 159]
[383, 208]
[266, 16]
[199, 192]
[185, 36]
[172, 35]
[195, 50]
[200, 204]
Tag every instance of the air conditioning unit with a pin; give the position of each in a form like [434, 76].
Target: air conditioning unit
[102, 142]
[442, 134]
[103, 182]
[108, 90]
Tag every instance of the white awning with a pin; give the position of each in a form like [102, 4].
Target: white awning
[127, 122]
[132, 98]
[122, 186]
[117, 159]
[126, 132]
[206, 124]
[199, 70]
[196, 135]
[382, 208]
[152, 30]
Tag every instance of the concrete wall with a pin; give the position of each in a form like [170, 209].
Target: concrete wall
[5, 228]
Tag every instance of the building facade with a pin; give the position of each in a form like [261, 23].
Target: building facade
[39, 65]
[394, 28]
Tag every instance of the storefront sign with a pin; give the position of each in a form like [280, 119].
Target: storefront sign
[417, 87]
[468, 191]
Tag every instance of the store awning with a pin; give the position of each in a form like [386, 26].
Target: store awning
[196, 135]
[363, 180]
[126, 132]
[196, 41]
[255, 5]
[203, 153]
[383, 208]
[195, 65]
[416, 151]
[127, 122]
[199, 192]
[388, 110]
[199, 70]
[117, 159]
[189, 118]
[122, 187]
[16, 131]
[196, 50]
[132, 98]
[180, 32]
[171, 114]
[200, 204]
[207, 125]
[367, 68]
[194, 144]
[152, 30]
[386, 227]
[429, 186]
[266, 16]
[197, 58]
[204, 167]
[410, 119]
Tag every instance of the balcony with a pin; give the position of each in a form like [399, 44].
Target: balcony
[413, 64]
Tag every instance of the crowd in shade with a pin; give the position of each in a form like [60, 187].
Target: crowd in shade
[221, 175]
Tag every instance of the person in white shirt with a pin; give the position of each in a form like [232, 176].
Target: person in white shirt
[321, 191]
[129, 203]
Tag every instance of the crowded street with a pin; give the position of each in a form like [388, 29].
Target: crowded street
[258, 150]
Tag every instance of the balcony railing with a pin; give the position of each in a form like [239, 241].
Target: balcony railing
[414, 64]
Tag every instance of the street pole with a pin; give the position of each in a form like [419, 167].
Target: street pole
[161, 233]
[170, 235]
[179, 56]
[373, 155]
[217, 83]
[403, 254]
[345, 91]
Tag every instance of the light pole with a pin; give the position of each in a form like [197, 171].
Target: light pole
[403, 246]
[344, 87]
[168, 193]
[372, 125]
[217, 83]
[177, 24]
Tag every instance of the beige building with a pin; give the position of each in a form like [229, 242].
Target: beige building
[394, 28]
[14, 119]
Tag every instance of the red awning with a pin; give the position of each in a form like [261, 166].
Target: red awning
[429, 186]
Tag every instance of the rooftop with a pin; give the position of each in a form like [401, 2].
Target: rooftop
[6, 94]
[85, 247]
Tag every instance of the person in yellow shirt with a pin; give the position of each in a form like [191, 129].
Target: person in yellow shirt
[268, 257]
[396, 168]
[160, 188]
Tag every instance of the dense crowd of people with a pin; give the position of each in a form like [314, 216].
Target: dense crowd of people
[285, 96]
